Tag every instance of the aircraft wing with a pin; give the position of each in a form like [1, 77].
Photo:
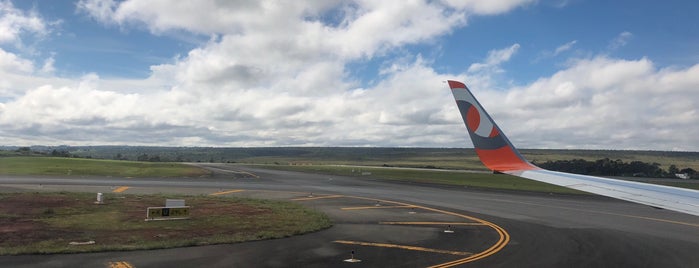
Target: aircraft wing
[498, 154]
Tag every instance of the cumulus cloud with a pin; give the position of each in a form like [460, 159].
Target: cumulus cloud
[274, 74]
[607, 103]
[356, 29]
[14, 22]
[10, 62]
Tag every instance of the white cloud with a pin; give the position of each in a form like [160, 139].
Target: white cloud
[101, 10]
[12, 63]
[279, 78]
[357, 29]
[621, 40]
[494, 59]
[606, 103]
[488, 7]
[48, 67]
[14, 22]
[560, 49]
[564, 47]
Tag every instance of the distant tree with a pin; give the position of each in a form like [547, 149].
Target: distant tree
[605, 167]
[672, 170]
[143, 157]
[60, 153]
[689, 171]
[155, 158]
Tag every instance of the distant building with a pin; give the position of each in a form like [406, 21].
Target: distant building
[684, 176]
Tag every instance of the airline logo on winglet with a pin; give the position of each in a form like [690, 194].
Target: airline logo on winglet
[493, 148]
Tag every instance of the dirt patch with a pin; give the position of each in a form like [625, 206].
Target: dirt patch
[33, 203]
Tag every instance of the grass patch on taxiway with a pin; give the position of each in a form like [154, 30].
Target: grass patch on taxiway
[32, 223]
[94, 167]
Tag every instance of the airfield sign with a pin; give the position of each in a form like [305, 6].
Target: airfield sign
[167, 213]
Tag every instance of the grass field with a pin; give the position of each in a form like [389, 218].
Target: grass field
[78, 166]
[449, 177]
[464, 159]
[32, 223]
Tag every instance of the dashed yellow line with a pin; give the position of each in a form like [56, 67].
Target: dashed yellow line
[120, 189]
[430, 223]
[375, 207]
[120, 264]
[226, 192]
[462, 253]
[316, 197]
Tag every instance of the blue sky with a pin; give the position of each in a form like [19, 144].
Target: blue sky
[665, 32]
[348, 73]
[81, 45]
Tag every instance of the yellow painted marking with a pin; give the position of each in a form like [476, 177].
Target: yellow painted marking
[653, 219]
[403, 247]
[120, 264]
[597, 212]
[121, 189]
[627, 215]
[429, 223]
[495, 248]
[504, 237]
[316, 197]
[374, 207]
[226, 192]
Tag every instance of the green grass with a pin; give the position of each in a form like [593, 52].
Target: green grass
[79, 166]
[48, 222]
[447, 177]
[421, 161]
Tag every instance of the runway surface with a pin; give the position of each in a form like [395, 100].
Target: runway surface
[390, 224]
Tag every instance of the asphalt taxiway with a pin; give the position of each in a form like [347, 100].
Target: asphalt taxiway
[390, 224]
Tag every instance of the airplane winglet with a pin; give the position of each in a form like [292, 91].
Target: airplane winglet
[493, 148]
[498, 154]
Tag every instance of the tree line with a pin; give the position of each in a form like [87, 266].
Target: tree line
[608, 167]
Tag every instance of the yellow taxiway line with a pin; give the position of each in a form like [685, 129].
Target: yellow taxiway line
[316, 197]
[120, 264]
[226, 192]
[499, 245]
[121, 189]
[375, 207]
[462, 253]
[429, 223]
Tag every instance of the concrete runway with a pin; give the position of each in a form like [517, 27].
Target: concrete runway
[390, 224]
